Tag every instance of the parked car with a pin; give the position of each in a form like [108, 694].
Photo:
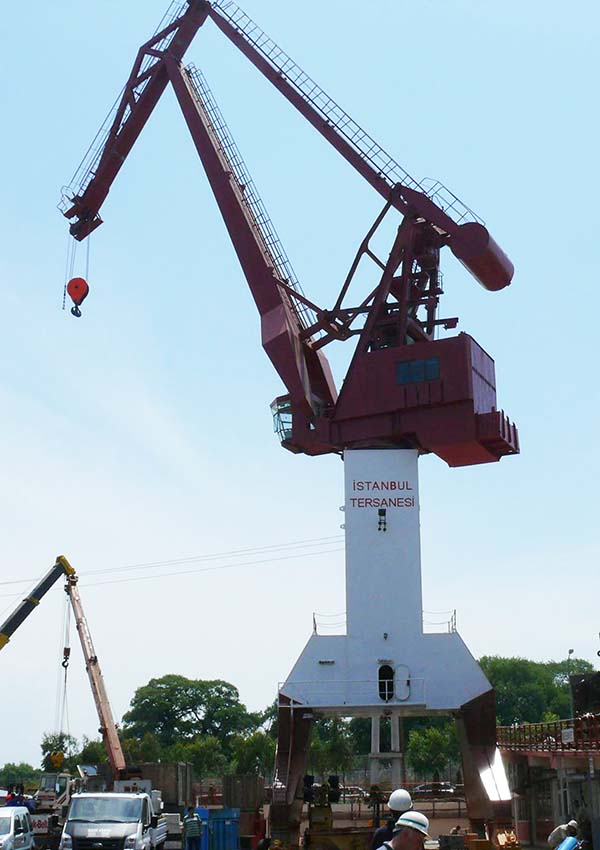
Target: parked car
[353, 792]
[434, 789]
[16, 830]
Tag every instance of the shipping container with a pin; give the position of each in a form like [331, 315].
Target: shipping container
[245, 792]
[173, 779]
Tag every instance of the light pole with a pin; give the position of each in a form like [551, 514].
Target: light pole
[569, 654]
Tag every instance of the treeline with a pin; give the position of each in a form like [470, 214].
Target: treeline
[202, 722]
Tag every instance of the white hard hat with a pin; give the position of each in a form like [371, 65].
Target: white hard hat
[413, 820]
[573, 823]
[400, 801]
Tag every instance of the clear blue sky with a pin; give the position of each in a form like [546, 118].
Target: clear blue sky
[142, 432]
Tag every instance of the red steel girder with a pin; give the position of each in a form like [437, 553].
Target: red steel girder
[146, 83]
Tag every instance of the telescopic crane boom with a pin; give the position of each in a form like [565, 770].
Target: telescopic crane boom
[108, 728]
[30, 603]
[404, 387]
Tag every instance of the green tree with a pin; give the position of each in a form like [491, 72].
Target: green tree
[92, 751]
[526, 689]
[360, 732]
[204, 753]
[431, 749]
[59, 742]
[254, 754]
[317, 756]
[268, 720]
[12, 773]
[331, 747]
[147, 748]
[175, 708]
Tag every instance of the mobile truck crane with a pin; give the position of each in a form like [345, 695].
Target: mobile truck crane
[53, 795]
[405, 393]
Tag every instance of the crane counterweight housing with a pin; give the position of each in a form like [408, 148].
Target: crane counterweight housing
[483, 257]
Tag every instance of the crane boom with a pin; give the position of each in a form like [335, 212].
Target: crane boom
[108, 727]
[30, 603]
[91, 183]
[273, 284]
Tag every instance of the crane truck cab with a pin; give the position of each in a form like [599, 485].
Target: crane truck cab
[53, 791]
[109, 820]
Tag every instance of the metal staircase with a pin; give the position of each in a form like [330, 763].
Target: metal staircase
[262, 224]
[362, 143]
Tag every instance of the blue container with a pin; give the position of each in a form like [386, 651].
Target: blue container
[569, 843]
[220, 828]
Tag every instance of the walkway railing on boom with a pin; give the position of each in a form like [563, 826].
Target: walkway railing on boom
[86, 169]
[580, 734]
[367, 148]
[362, 143]
[252, 200]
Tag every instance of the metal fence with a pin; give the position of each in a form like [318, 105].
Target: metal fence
[580, 734]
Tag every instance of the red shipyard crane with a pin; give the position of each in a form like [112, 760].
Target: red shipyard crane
[404, 388]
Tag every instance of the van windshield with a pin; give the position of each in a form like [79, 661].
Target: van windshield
[4, 825]
[94, 809]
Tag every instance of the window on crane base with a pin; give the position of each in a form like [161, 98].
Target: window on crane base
[386, 682]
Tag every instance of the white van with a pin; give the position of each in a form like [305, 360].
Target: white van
[16, 830]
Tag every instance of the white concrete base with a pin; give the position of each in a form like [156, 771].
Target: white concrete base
[433, 673]
[337, 673]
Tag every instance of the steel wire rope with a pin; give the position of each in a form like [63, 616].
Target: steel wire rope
[213, 569]
[9, 605]
[59, 673]
[87, 258]
[64, 714]
[310, 542]
[71, 251]
[205, 569]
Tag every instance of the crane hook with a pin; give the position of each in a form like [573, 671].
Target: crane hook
[66, 655]
[78, 290]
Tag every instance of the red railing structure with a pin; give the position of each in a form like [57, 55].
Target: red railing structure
[580, 734]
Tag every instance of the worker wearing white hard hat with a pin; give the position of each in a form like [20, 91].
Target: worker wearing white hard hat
[410, 832]
[399, 802]
[562, 831]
